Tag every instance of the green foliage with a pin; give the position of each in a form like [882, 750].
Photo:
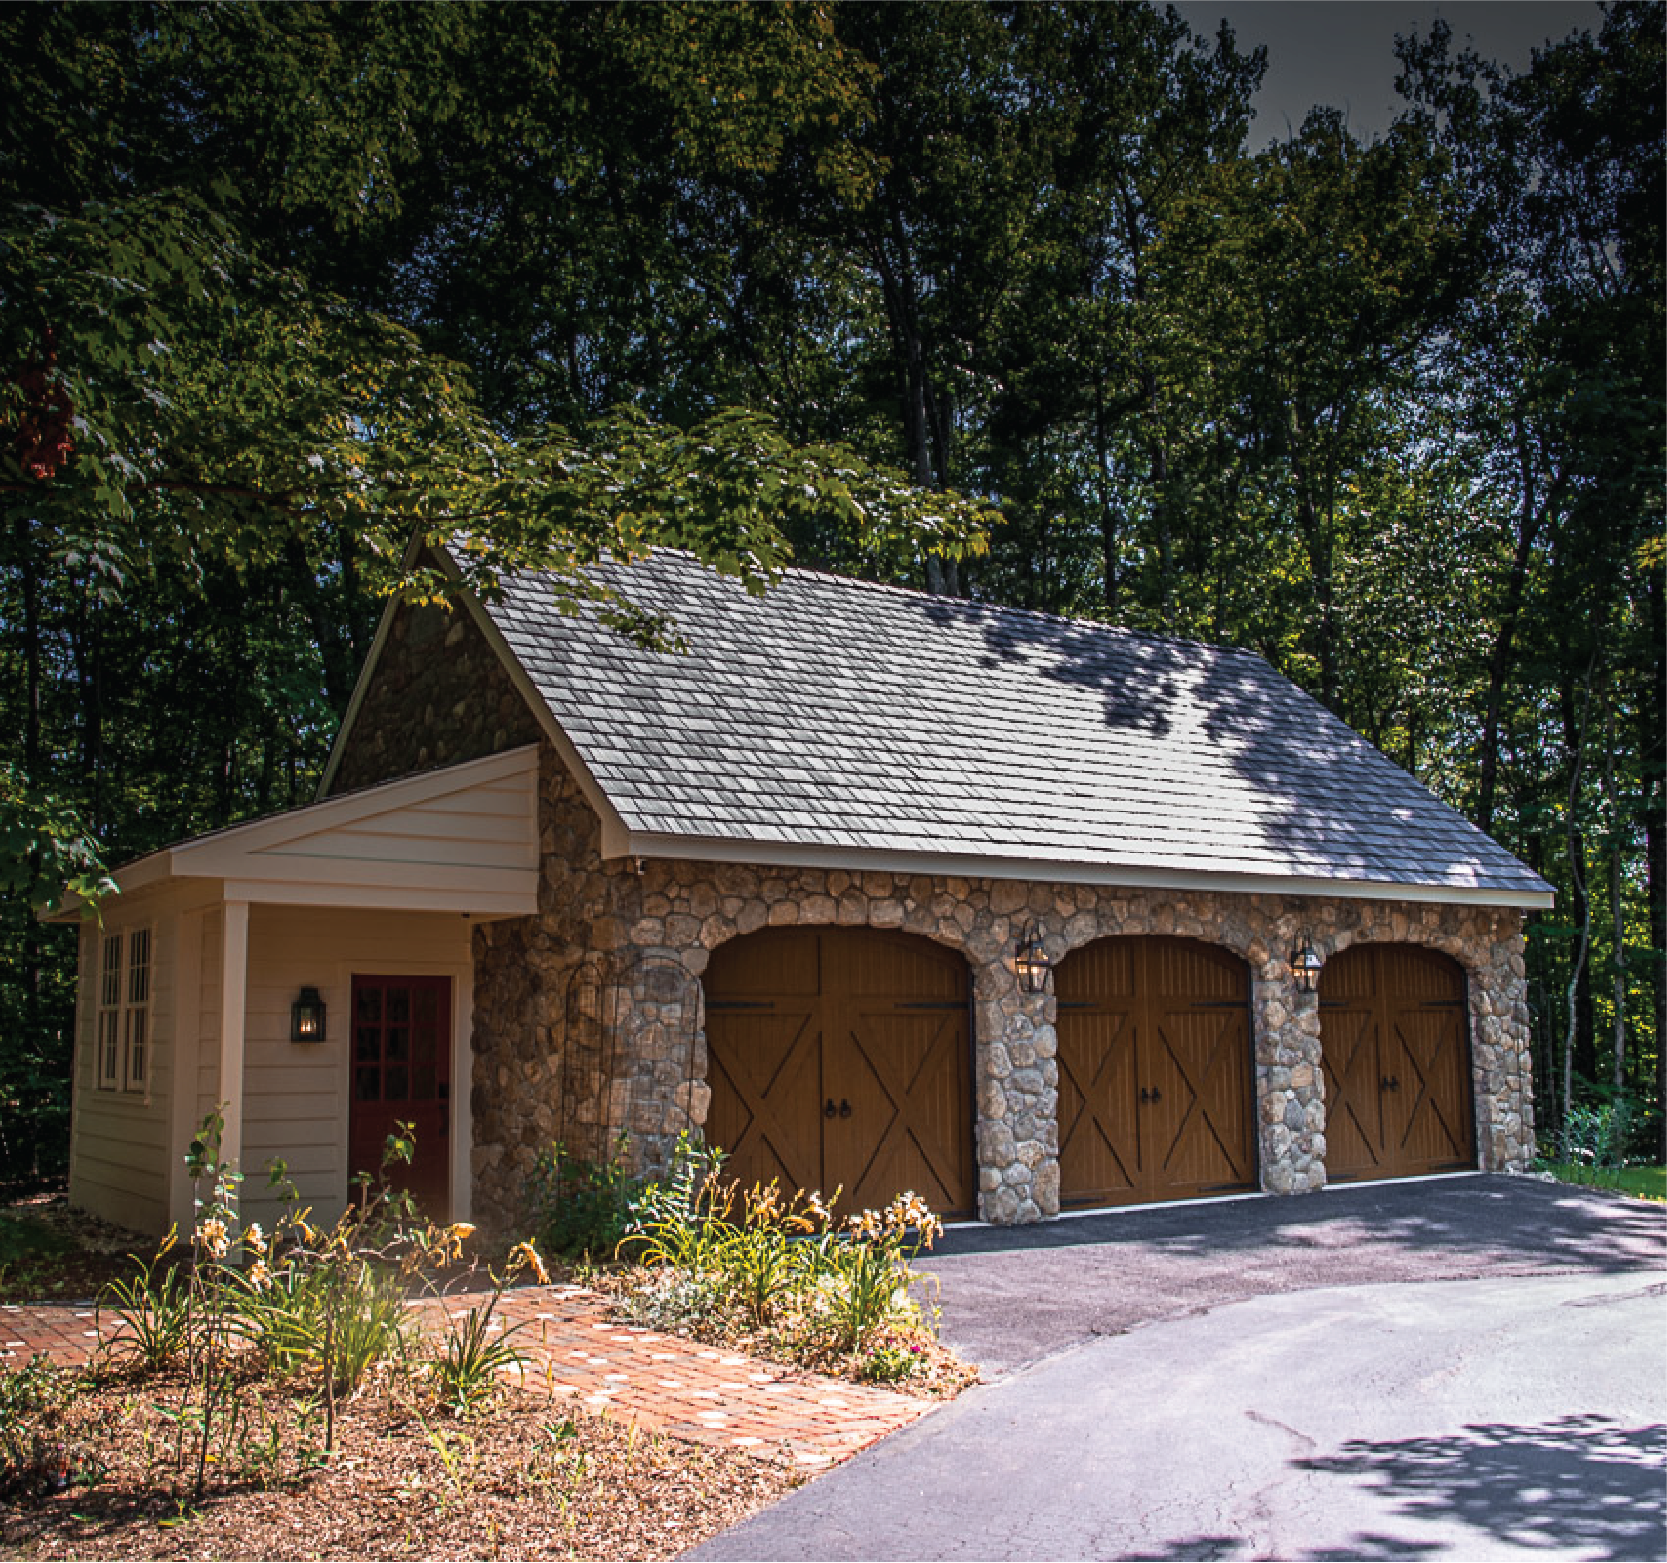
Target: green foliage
[153, 1308]
[34, 1461]
[475, 1351]
[867, 287]
[330, 1304]
[580, 1208]
[783, 1268]
[25, 1242]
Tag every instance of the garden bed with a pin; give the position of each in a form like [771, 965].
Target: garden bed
[532, 1478]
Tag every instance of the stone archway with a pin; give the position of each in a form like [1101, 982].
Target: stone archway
[1156, 1093]
[1394, 1042]
[841, 1057]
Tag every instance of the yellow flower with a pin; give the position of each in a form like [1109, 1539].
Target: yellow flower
[525, 1253]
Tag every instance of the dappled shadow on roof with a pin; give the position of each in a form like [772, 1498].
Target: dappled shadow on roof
[1324, 795]
[1578, 1486]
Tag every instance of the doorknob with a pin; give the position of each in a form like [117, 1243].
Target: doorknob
[1390, 1083]
[844, 1108]
[828, 1109]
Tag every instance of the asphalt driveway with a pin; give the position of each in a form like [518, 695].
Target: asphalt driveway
[1010, 1296]
[1469, 1368]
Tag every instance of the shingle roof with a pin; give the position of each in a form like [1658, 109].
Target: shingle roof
[833, 713]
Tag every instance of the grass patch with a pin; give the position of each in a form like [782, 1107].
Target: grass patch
[1640, 1182]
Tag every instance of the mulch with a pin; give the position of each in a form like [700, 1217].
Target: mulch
[537, 1478]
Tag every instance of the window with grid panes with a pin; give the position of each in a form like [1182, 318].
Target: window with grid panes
[137, 1020]
[110, 1014]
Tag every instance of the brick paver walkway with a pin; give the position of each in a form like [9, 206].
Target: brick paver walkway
[663, 1383]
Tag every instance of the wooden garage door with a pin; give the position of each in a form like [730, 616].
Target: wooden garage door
[1155, 1080]
[840, 1057]
[1394, 1038]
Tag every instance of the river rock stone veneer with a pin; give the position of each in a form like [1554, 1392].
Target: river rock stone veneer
[647, 918]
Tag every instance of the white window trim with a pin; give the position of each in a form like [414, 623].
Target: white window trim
[122, 1038]
[107, 1034]
[136, 1030]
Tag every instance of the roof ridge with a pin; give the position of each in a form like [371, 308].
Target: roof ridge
[917, 593]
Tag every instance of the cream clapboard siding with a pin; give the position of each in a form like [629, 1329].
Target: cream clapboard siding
[463, 840]
[295, 1095]
[386, 881]
[119, 1169]
[484, 827]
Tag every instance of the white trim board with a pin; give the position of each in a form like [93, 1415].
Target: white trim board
[652, 844]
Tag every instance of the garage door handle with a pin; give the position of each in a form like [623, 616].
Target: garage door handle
[841, 1111]
[1154, 1095]
[844, 1108]
[1390, 1083]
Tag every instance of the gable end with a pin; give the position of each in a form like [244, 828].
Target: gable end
[435, 693]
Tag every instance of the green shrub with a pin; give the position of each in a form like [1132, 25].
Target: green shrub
[474, 1352]
[580, 1208]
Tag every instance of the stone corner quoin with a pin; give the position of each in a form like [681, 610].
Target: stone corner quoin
[588, 1017]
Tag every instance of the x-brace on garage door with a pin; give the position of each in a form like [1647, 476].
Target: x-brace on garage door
[1155, 1072]
[840, 1057]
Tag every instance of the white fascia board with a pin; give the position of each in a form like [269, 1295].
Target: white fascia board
[774, 854]
[142, 888]
[479, 905]
[225, 850]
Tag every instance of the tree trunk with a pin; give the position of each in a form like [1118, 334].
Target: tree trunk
[1577, 1035]
[1531, 517]
[1652, 753]
[1617, 914]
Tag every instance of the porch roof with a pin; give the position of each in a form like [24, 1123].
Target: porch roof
[461, 840]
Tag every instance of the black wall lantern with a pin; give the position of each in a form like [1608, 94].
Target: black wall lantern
[1031, 961]
[1306, 964]
[306, 1017]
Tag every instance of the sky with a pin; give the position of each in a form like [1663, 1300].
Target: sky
[1341, 52]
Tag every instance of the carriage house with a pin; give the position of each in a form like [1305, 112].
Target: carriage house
[879, 890]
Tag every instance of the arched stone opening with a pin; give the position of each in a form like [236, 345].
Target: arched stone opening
[1156, 1071]
[1395, 1047]
[842, 1057]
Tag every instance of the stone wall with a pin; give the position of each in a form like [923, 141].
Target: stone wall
[438, 695]
[643, 923]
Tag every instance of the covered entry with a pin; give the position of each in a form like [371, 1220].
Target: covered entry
[840, 1057]
[1155, 1078]
[1393, 1039]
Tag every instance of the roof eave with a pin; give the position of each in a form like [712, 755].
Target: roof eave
[775, 854]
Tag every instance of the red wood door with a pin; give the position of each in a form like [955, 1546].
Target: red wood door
[1155, 1073]
[839, 1058]
[401, 1073]
[1394, 1039]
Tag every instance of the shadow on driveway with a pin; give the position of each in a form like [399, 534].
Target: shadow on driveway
[1579, 1485]
[1013, 1295]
